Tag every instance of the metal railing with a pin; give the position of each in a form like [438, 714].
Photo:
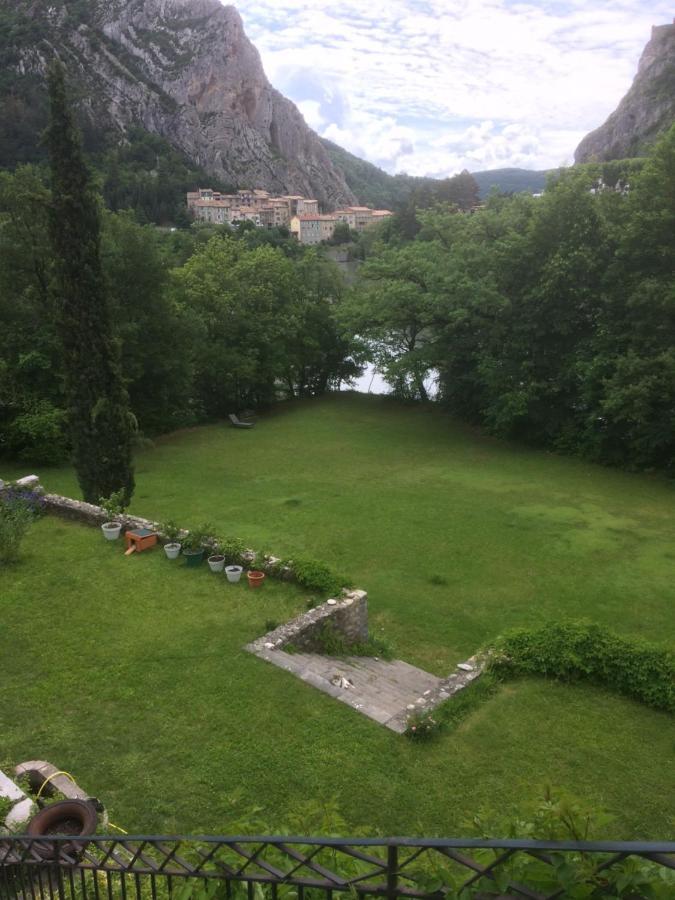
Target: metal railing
[257, 868]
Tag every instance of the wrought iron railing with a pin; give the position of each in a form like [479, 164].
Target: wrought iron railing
[257, 868]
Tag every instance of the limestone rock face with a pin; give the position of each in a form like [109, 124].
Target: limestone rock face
[646, 111]
[184, 69]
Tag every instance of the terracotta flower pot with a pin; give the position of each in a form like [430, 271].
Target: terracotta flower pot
[255, 579]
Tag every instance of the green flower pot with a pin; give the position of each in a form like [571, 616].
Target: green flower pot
[193, 558]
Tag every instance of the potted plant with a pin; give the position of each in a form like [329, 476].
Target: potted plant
[113, 506]
[232, 549]
[255, 578]
[233, 573]
[193, 545]
[216, 561]
[172, 532]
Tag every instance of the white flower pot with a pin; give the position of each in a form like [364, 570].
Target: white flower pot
[233, 573]
[111, 530]
[216, 563]
[172, 551]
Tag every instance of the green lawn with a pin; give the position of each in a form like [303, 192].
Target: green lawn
[130, 672]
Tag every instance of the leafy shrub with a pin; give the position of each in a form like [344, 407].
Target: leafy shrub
[114, 505]
[316, 576]
[38, 434]
[573, 651]
[557, 816]
[18, 495]
[232, 549]
[18, 510]
[170, 530]
[422, 726]
[198, 538]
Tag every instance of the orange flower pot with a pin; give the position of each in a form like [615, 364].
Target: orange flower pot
[255, 579]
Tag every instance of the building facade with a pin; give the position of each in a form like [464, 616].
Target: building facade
[300, 214]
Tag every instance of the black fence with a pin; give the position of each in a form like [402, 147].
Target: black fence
[280, 868]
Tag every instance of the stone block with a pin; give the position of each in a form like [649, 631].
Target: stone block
[29, 481]
[22, 808]
[19, 815]
[9, 788]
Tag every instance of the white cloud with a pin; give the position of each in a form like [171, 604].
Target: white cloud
[433, 86]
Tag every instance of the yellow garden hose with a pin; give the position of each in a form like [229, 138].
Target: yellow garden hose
[49, 778]
[68, 775]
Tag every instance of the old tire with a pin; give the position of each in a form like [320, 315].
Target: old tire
[72, 811]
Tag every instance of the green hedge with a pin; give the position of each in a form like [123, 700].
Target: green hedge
[572, 651]
[316, 576]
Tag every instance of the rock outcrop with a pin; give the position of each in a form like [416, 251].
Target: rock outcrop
[646, 111]
[185, 70]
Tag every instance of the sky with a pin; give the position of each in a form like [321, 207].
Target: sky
[430, 87]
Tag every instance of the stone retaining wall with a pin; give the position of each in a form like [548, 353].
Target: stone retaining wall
[348, 615]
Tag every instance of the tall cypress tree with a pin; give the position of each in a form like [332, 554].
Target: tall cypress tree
[99, 417]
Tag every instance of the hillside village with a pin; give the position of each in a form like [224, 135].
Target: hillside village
[299, 214]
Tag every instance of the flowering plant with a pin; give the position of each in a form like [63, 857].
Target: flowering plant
[19, 507]
[421, 726]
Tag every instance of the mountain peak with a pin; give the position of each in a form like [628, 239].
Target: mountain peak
[647, 109]
[184, 70]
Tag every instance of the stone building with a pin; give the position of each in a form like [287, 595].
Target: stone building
[300, 214]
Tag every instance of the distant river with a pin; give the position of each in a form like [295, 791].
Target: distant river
[372, 382]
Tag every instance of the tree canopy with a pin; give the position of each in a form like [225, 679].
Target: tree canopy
[547, 319]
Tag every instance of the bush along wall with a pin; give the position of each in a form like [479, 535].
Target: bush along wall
[575, 651]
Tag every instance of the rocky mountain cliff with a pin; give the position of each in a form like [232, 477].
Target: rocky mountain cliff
[181, 69]
[647, 109]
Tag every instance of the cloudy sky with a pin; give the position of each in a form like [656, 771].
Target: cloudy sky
[430, 87]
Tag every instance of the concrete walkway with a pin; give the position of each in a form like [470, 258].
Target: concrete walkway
[385, 691]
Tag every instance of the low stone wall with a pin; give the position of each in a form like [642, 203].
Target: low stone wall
[348, 616]
[468, 672]
[90, 514]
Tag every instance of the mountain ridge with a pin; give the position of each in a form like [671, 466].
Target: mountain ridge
[645, 112]
[183, 70]
[374, 186]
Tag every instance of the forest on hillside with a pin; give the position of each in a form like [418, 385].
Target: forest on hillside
[549, 320]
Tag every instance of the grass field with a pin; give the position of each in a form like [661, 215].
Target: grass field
[131, 673]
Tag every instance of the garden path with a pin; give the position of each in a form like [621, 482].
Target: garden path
[387, 691]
